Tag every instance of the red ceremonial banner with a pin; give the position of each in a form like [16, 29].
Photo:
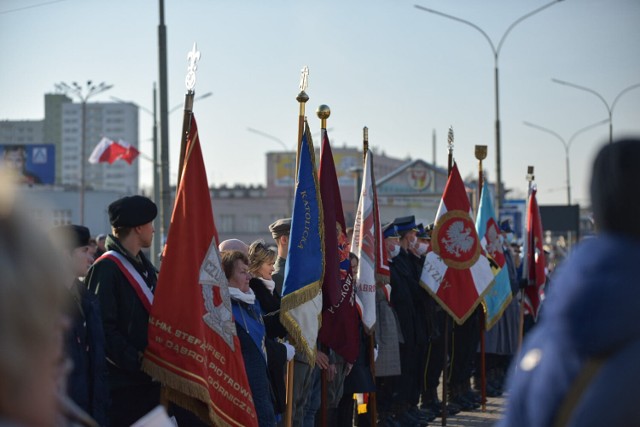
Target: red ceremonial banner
[193, 347]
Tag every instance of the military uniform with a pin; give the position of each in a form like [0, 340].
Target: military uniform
[124, 316]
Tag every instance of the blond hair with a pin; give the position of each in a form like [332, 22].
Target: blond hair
[259, 254]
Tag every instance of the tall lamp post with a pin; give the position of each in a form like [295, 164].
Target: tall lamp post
[606, 104]
[83, 93]
[496, 55]
[567, 146]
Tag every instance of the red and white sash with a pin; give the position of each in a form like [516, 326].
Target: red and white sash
[133, 277]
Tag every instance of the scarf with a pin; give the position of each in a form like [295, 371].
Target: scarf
[247, 297]
[269, 284]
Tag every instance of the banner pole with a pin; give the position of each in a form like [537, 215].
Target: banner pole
[481, 154]
[302, 98]
[525, 258]
[445, 374]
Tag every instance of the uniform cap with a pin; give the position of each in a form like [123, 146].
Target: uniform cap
[281, 227]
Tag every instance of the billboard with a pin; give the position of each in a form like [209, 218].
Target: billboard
[35, 164]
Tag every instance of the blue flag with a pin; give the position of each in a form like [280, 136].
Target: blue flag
[301, 304]
[499, 296]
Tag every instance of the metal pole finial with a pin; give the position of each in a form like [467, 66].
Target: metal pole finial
[192, 57]
[323, 113]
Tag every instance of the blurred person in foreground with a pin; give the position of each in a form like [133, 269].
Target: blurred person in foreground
[124, 281]
[579, 366]
[32, 305]
[84, 339]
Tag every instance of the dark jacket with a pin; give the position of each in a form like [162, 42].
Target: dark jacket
[591, 317]
[270, 304]
[84, 345]
[278, 274]
[276, 352]
[250, 332]
[124, 317]
[404, 284]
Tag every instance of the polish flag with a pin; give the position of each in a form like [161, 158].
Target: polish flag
[108, 151]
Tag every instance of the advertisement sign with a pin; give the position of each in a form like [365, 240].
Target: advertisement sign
[36, 164]
[285, 165]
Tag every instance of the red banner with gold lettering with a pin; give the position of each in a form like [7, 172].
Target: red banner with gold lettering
[193, 347]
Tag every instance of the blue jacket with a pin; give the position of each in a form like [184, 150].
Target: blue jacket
[591, 316]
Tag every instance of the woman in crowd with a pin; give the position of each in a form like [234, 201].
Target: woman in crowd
[261, 261]
[251, 333]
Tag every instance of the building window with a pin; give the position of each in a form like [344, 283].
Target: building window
[253, 223]
[61, 217]
[227, 223]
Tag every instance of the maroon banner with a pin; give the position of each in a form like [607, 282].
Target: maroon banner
[339, 330]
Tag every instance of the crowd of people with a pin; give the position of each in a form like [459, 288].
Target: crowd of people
[74, 316]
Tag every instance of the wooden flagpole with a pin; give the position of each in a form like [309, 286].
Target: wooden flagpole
[481, 154]
[302, 98]
[445, 374]
[323, 112]
[372, 404]
[525, 258]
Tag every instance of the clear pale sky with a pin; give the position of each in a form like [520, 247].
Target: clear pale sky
[383, 64]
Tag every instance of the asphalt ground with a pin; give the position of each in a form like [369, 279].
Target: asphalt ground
[476, 418]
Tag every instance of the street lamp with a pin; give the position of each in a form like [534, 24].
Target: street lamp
[496, 54]
[284, 147]
[609, 107]
[567, 146]
[83, 93]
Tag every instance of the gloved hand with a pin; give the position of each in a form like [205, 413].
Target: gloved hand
[375, 353]
[291, 350]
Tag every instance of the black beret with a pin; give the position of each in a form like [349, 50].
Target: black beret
[281, 227]
[70, 236]
[132, 211]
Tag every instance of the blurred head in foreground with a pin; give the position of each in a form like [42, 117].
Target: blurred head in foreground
[32, 298]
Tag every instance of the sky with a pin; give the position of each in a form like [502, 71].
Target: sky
[403, 72]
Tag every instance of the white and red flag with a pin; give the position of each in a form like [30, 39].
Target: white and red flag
[535, 262]
[193, 347]
[108, 151]
[368, 245]
[456, 270]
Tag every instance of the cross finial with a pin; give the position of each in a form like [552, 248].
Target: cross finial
[304, 78]
[193, 57]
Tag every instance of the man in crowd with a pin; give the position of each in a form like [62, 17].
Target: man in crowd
[280, 230]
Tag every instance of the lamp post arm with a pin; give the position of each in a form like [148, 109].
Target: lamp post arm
[613, 104]
[471, 24]
[271, 137]
[586, 89]
[549, 131]
[122, 101]
[519, 20]
[584, 129]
